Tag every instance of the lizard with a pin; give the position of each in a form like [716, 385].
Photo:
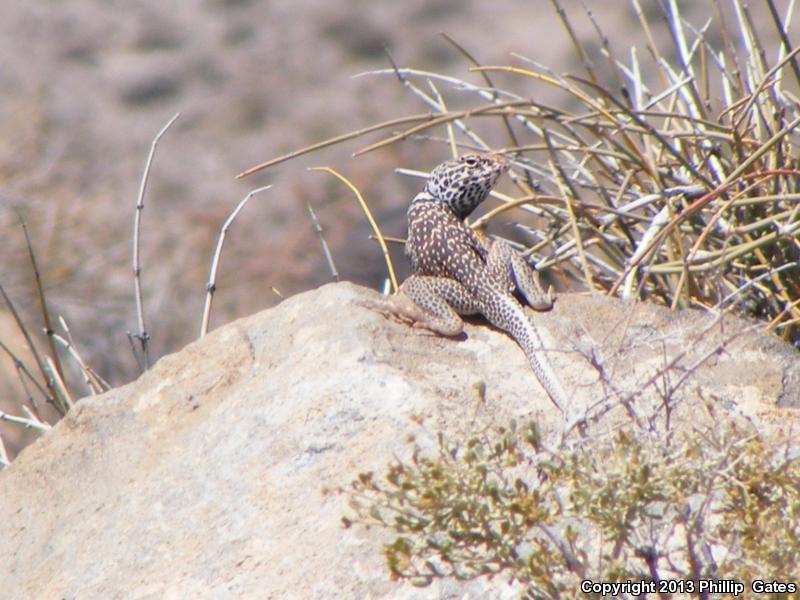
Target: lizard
[457, 271]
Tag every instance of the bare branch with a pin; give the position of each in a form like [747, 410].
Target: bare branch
[4, 462]
[60, 385]
[27, 423]
[51, 394]
[370, 218]
[211, 286]
[325, 249]
[42, 302]
[100, 384]
[22, 369]
[143, 336]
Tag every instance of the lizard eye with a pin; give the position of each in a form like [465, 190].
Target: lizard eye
[471, 161]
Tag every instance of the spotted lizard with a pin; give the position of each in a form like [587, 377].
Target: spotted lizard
[457, 271]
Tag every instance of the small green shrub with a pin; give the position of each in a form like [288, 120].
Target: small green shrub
[719, 503]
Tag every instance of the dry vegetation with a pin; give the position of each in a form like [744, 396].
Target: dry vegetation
[702, 503]
[666, 173]
[672, 177]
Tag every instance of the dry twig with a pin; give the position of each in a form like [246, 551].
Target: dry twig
[143, 336]
[211, 286]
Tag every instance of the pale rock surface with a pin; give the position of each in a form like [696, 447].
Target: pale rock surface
[210, 476]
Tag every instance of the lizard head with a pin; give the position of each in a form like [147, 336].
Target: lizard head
[464, 183]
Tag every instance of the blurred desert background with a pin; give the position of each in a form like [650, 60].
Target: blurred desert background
[85, 86]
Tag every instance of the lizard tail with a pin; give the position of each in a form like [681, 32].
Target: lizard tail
[503, 311]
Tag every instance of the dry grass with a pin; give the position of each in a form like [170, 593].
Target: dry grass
[676, 182]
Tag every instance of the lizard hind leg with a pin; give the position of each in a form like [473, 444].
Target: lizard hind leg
[435, 303]
[512, 272]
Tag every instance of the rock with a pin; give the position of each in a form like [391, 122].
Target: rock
[211, 476]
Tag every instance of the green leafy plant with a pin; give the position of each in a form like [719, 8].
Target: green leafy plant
[717, 503]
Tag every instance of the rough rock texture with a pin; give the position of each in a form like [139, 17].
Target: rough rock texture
[210, 476]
